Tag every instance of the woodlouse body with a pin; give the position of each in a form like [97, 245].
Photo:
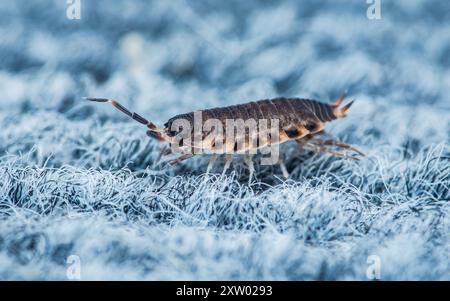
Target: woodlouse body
[288, 119]
[288, 110]
[296, 117]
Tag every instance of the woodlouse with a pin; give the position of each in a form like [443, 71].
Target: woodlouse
[301, 120]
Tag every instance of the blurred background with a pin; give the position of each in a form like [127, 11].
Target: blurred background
[80, 164]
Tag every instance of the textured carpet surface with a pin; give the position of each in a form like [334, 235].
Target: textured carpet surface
[80, 183]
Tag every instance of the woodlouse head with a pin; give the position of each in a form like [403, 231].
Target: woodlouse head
[168, 125]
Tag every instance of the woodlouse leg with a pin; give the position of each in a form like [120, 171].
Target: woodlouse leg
[332, 142]
[249, 161]
[336, 153]
[303, 141]
[212, 160]
[228, 160]
[321, 149]
[283, 169]
[177, 160]
[166, 150]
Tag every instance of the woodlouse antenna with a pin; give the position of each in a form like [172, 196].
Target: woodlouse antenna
[124, 110]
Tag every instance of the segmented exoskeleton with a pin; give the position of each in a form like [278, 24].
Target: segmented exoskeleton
[301, 120]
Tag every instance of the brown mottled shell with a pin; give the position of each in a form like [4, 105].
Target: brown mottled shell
[289, 111]
[297, 117]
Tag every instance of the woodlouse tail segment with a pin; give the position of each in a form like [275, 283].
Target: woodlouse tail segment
[339, 101]
[342, 112]
[135, 116]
